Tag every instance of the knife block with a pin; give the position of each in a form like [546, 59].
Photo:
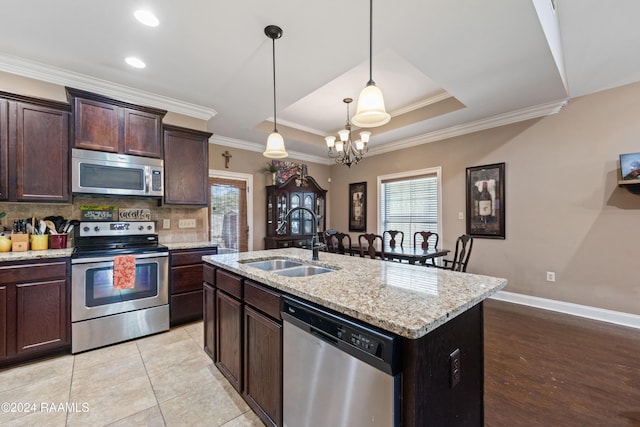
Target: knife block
[19, 242]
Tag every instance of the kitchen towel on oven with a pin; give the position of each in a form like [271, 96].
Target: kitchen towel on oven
[124, 272]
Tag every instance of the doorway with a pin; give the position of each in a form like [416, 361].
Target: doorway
[229, 210]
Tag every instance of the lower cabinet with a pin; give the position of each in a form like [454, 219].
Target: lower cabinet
[34, 309]
[229, 338]
[186, 284]
[263, 352]
[3, 322]
[209, 314]
[243, 330]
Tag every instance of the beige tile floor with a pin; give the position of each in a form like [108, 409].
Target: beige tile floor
[160, 380]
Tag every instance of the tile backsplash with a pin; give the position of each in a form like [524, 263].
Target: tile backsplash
[174, 234]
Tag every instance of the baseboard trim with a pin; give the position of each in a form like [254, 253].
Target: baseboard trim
[601, 314]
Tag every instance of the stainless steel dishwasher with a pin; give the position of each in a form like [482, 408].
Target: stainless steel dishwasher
[336, 371]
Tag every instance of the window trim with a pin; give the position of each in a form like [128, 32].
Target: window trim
[405, 176]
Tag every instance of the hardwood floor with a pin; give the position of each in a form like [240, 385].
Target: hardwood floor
[549, 369]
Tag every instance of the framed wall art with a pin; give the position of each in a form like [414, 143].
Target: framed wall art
[358, 206]
[485, 201]
[630, 166]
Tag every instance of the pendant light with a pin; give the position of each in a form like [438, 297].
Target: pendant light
[275, 144]
[371, 112]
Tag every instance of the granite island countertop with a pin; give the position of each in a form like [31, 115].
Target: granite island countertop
[408, 300]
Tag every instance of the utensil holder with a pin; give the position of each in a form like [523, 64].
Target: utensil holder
[19, 242]
[58, 241]
[39, 242]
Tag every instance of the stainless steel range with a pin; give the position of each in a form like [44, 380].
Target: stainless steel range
[101, 314]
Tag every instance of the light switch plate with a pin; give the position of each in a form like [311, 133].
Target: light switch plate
[460, 215]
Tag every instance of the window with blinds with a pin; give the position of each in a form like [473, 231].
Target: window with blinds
[409, 204]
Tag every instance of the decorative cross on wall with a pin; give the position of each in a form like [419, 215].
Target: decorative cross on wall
[226, 156]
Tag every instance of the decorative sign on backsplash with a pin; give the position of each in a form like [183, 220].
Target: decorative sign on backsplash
[135, 214]
[98, 213]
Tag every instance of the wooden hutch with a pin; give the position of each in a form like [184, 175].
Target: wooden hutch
[286, 196]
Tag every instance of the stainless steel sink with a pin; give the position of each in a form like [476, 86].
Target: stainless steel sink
[303, 271]
[273, 264]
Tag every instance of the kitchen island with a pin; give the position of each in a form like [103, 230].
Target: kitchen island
[435, 312]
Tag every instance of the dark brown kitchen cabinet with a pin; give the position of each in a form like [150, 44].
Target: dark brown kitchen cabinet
[186, 283]
[3, 323]
[209, 315]
[299, 228]
[34, 149]
[262, 388]
[34, 309]
[4, 149]
[105, 124]
[229, 338]
[186, 166]
[243, 329]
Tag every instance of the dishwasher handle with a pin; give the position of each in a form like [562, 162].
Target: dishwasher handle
[326, 338]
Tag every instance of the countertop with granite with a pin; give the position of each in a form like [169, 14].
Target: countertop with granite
[188, 245]
[408, 300]
[27, 255]
[57, 253]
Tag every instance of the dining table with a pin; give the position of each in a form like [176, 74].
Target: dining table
[412, 255]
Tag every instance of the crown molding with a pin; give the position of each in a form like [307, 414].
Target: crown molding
[259, 148]
[62, 77]
[421, 104]
[476, 126]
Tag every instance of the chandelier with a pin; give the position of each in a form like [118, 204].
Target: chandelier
[344, 150]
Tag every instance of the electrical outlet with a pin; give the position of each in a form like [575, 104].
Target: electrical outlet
[454, 368]
[187, 223]
[166, 224]
[551, 276]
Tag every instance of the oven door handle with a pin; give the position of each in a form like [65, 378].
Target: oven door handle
[110, 258]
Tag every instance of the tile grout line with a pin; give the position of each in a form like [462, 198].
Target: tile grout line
[73, 370]
[146, 371]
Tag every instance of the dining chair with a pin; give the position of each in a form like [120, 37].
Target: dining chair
[426, 235]
[460, 260]
[371, 248]
[392, 237]
[338, 242]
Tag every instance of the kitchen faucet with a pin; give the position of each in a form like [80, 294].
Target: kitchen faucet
[314, 238]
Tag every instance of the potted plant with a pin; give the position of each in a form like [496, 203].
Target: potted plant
[273, 169]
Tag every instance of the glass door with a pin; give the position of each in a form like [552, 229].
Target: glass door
[228, 214]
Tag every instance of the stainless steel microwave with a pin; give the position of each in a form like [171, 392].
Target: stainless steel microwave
[112, 174]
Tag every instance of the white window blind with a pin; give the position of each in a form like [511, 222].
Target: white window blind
[409, 204]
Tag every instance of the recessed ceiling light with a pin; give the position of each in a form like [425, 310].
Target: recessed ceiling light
[135, 62]
[146, 17]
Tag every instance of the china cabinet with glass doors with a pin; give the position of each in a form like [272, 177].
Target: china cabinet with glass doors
[299, 228]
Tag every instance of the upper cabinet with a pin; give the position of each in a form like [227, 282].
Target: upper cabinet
[186, 166]
[34, 149]
[106, 124]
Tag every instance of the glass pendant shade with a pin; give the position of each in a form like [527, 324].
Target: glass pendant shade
[331, 141]
[275, 146]
[371, 111]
